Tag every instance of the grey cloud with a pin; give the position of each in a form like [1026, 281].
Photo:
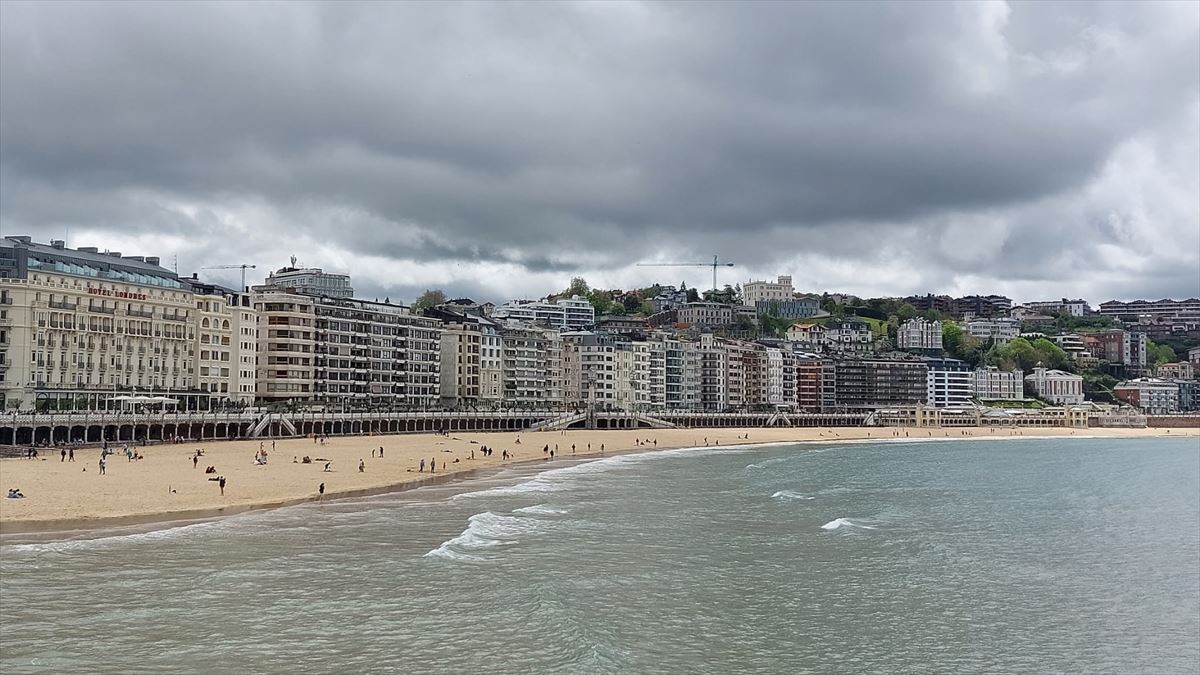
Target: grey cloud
[579, 138]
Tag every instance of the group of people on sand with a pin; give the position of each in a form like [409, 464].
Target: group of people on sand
[644, 442]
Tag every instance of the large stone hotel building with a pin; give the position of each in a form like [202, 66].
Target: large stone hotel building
[79, 327]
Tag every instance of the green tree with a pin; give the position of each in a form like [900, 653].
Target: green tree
[906, 311]
[1157, 354]
[430, 298]
[578, 286]
[1051, 355]
[1016, 353]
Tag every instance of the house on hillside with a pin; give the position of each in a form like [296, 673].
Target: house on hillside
[807, 336]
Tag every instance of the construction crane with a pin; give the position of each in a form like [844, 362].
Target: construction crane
[714, 265]
[243, 268]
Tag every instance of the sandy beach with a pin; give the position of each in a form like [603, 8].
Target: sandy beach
[165, 486]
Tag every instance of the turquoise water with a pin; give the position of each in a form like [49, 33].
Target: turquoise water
[1065, 555]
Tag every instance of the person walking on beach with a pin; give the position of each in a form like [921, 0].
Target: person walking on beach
[321, 491]
[64, 455]
[372, 453]
[195, 461]
[103, 465]
[433, 465]
[362, 466]
[71, 455]
[422, 468]
[221, 483]
[381, 452]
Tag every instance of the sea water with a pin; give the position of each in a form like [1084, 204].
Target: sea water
[1030, 555]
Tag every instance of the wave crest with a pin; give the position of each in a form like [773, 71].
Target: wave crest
[846, 524]
[788, 495]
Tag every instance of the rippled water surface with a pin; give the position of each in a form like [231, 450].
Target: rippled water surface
[1067, 555]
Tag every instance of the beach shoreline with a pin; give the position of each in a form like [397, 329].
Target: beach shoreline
[165, 490]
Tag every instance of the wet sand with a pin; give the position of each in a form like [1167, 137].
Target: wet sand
[165, 487]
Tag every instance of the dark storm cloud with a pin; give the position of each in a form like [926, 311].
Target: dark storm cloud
[974, 144]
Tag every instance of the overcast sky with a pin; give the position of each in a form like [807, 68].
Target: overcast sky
[496, 150]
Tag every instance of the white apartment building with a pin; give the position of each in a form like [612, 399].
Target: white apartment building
[714, 396]
[848, 335]
[949, 383]
[532, 365]
[589, 369]
[1063, 306]
[1056, 386]
[310, 281]
[996, 330]
[807, 336]
[632, 360]
[739, 358]
[682, 371]
[1150, 395]
[344, 353]
[765, 291]
[705, 314]
[770, 384]
[226, 344]
[1180, 370]
[491, 363]
[79, 328]
[1070, 343]
[574, 313]
[287, 346]
[993, 384]
[920, 334]
[658, 374]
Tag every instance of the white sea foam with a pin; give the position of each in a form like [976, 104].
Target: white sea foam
[540, 510]
[788, 495]
[557, 480]
[771, 462]
[485, 530]
[97, 543]
[846, 523]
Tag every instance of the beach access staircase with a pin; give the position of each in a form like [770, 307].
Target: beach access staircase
[558, 423]
[286, 426]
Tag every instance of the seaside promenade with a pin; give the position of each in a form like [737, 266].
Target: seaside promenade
[168, 485]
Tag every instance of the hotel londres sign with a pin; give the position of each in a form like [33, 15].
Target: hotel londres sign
[116, 294]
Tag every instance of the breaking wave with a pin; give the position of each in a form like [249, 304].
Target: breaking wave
[788, 495]
[484, 530]
[847, 524]
[540, 510]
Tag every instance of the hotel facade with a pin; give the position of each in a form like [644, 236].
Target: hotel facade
[80, 329]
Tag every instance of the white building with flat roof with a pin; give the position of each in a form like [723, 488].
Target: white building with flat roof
[1056, 386]
[765, 291]
[993, 384]
[997, 330]
[311, 281]
[949, 383]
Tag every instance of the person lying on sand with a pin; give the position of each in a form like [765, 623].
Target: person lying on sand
[15, 493]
